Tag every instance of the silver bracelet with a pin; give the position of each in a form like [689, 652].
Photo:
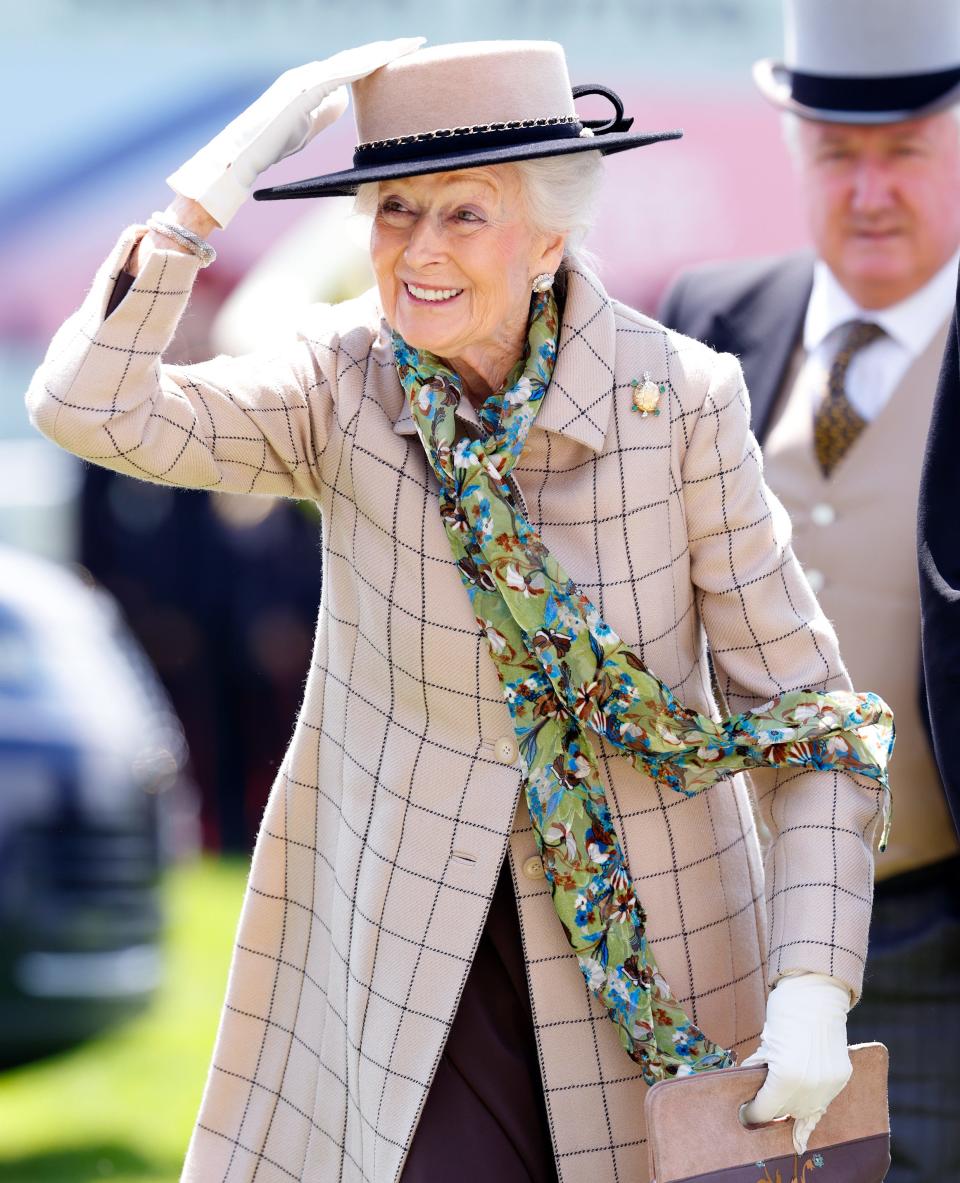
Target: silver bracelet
[193, 242]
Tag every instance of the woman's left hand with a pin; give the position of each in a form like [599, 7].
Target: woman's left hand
[804, 1045]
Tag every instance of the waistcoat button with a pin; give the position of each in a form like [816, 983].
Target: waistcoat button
[823, 514]
[816, 579]
[505, 750]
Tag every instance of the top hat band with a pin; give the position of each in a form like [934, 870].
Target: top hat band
[903, 92]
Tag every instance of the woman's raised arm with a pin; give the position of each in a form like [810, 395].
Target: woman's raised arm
[186, 212]
[253, 424]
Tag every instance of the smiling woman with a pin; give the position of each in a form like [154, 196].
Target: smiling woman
[509, 732]
[454, 255]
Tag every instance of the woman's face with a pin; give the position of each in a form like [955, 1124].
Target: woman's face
[454, 255]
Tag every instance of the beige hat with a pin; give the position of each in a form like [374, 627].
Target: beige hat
[865, 61]
[459, 106]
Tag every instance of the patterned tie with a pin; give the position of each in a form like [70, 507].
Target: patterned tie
[836, 424]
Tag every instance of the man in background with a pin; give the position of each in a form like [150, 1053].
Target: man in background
[841, 350]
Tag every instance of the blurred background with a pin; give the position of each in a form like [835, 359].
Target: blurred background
[154, 644]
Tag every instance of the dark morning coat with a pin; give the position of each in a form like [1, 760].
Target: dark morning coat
[938, 547]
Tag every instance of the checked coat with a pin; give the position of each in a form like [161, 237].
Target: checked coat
[395, 805]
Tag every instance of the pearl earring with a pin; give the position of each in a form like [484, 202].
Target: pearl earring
[542, 282]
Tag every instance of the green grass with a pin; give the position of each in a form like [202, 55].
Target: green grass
[122, 1106]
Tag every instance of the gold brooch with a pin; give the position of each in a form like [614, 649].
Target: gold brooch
[646, 395]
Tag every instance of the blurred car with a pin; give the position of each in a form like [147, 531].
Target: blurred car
[90, 755]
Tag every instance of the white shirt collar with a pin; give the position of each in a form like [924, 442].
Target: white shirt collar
[911, 323]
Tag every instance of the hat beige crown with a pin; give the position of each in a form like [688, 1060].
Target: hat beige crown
[463, 85]
[865, 61]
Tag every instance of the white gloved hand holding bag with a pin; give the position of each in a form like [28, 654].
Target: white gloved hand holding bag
[804, 1045]
[301, 103]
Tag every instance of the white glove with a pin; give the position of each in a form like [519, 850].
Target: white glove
[302, 102]
[804, 1045]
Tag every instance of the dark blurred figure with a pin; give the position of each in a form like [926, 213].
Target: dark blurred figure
[841, 352]
[938, 544]
[223, 594]
[96, 802]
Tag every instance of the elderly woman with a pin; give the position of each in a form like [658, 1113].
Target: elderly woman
[443, 968]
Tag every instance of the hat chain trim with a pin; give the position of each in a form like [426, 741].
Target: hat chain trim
[476, 129]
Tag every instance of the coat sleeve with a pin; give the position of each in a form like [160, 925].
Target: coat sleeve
[767, 635]
[253, 424]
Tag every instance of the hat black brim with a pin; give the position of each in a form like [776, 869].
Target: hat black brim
[346, 183]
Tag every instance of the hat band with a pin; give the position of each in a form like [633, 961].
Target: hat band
[446, 140]
[898, 92]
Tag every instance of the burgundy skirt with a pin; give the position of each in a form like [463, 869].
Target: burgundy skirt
[484, 1116]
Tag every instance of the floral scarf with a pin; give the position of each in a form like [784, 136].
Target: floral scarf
[567, 677]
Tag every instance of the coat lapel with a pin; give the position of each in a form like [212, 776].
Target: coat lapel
[579, 398]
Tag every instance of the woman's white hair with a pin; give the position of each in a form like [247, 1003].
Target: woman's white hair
[559, 195]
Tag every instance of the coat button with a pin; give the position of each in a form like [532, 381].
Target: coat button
[533, 867]
[823, 514]
[816, 579]
[505, 750]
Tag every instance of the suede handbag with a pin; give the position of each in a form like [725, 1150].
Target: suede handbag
[694, 1133]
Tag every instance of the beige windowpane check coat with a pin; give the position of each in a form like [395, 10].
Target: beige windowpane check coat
[381, 843]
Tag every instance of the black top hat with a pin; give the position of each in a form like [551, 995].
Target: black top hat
[865, 61]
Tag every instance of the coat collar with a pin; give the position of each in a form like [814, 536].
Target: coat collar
[578, 399]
